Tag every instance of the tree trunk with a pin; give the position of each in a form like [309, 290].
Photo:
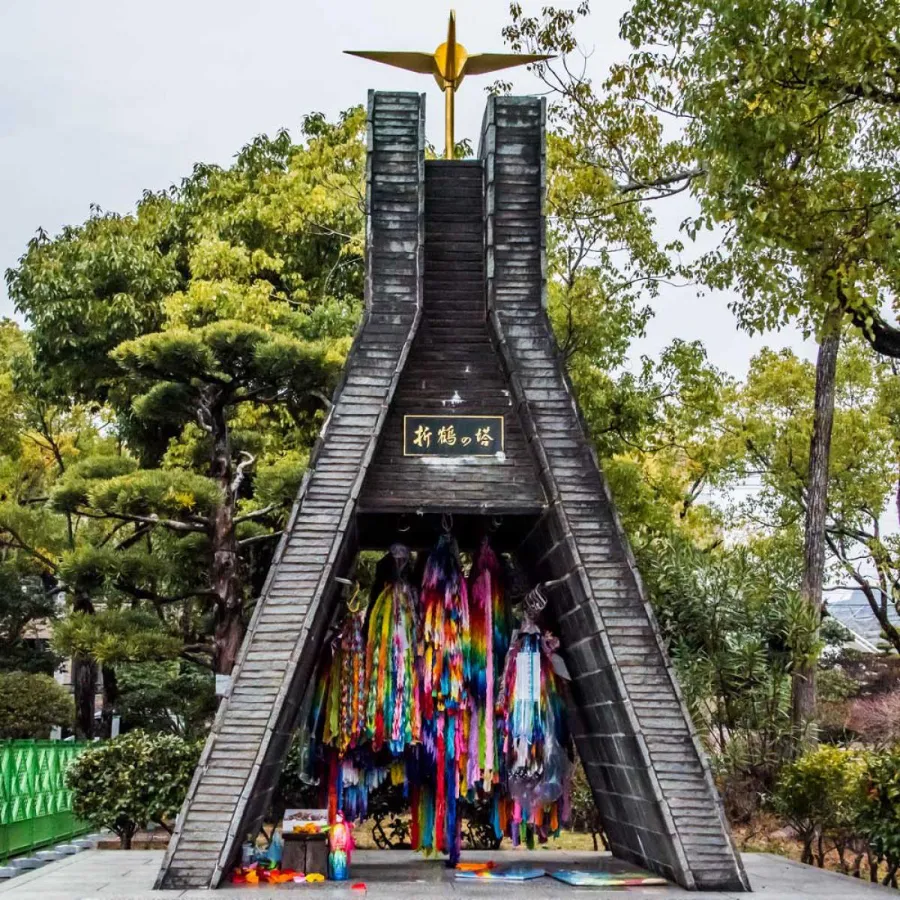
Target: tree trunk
[110, 699]
[84, 680]
[226, 576]
[803, 684]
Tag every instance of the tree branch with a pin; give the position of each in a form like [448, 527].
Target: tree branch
[662, 181]
[243, 465]
[256, 514]
[171, 524]
[21, 545]
[160, 599]
[256, 539]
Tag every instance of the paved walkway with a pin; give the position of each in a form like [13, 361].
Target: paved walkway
[399, 875]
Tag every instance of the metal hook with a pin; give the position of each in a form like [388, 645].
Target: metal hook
[353, 604]
[496, 522]
[403, 525]
[447, 523]
[536, 600]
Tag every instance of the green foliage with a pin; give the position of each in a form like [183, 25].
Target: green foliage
[765, 431]
[729, 616]
[822, 795]
[278, 480]
[789, 111]
[881, 813]
[115, 636]
[132, 781]
[23, 605]
[30, 705]
[156, 492]
[205, 334]
[127, 263]
[585, 814]
[835, 685]
[274, 241]
[173, 697]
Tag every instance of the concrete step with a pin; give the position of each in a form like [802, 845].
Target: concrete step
[69, 849]
[27, 862]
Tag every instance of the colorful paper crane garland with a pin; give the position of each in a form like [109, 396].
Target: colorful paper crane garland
[432, 692]
[534, 737]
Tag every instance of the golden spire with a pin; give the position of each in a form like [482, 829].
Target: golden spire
[449, 64]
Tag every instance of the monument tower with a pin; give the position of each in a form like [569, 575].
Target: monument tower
[455, 334]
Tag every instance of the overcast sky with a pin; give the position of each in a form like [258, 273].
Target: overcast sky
[102, 100]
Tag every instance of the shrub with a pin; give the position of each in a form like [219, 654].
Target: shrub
[30, 705]
[132, 781]
[176, 697]
[880, 815]
[821, 795]
[877, 719]
[585, 815]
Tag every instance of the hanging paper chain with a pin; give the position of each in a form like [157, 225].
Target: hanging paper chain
[445, 604]
[346, 705]
[490, 637]
[446, 661]
[534, 737]
[393, 715]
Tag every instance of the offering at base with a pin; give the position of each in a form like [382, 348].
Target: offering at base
[606, 879]
[476, 866]
[340, 845]
[304, 821]
[515, 873]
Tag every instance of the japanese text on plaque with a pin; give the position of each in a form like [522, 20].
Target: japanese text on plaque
[453, 435]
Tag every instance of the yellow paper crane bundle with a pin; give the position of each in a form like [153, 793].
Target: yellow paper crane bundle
[449, 64]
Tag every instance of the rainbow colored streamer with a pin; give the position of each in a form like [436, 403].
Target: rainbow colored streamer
[535, 738]
[393, 710]
[489, 641]
[446, 673]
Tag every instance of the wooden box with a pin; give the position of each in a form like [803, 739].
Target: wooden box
[307, 853]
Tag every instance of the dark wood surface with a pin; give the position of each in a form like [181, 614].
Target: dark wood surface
[436, 235]
[645, 765]
[453, 368]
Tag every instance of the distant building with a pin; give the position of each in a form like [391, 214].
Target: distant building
[851, 608]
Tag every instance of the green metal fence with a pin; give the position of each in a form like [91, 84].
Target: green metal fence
[35, 804]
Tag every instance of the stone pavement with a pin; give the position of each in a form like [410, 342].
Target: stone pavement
[402, 875]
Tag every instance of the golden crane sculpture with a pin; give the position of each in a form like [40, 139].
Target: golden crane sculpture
[449, 64]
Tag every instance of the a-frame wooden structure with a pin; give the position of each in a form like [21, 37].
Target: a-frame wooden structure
[455, 322]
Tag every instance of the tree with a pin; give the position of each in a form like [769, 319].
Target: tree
[822, 795]
[132, 781]
[40, 439]
[789, 134]
[201, 336]
[881, 814]
[31, 705]
[176, 697]
[789, 112]
[735, 628]
[768, 423]
[182, 379]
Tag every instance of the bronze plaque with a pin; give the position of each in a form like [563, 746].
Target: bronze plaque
[453, 435]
